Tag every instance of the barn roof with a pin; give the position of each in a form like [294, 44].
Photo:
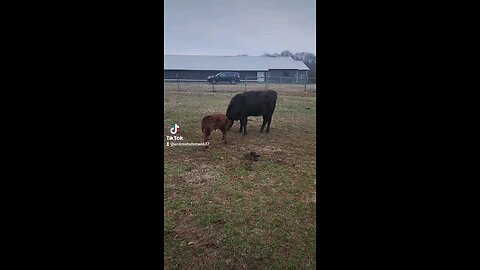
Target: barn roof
[231, 63]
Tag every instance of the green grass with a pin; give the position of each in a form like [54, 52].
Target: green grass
[240, 213]
[167, 224]
[241, 170]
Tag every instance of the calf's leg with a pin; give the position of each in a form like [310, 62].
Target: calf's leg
[205, 136]
[224, 136]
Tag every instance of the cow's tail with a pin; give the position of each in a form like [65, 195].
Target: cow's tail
[203, 125]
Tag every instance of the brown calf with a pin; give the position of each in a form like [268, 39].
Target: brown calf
[213, 122]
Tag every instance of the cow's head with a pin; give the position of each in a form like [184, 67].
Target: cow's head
[233, 109]
[230, 124]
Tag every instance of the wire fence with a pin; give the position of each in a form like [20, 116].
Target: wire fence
[254, 83]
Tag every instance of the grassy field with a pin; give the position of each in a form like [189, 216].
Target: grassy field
[223, 211]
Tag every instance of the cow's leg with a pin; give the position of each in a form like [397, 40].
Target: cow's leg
[241, 125]
[264, 122]
[243, 122]
[269, 119]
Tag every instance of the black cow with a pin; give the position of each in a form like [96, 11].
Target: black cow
[252, 103]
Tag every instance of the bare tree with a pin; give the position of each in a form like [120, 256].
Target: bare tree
[309, 59]
[287, 53]
[271, 55]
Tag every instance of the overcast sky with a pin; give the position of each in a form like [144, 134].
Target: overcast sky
[225, 27]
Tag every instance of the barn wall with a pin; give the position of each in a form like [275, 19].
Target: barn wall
[287, 76]
[248, 74]
[201, 74]
[302, 73]
[275, 73]
[187, 74]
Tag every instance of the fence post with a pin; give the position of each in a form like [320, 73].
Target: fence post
[306, 81]
[281, 79]
[266, 82]
[178, 84]
[245, 83]
[213, 86]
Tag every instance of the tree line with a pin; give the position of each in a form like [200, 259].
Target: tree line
[309, 59]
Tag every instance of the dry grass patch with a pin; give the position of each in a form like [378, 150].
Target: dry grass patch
[223, 211]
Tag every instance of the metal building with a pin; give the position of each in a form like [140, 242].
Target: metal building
[255, 68]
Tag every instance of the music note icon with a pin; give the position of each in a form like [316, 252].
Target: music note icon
[174, 129]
